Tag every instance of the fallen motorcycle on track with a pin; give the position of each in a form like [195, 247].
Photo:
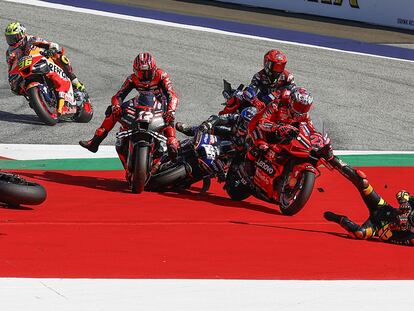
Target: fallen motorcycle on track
[200, 158]
[15, 191]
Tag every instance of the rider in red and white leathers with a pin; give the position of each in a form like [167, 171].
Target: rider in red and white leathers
[147, 78]
[20, 44]
[272, 78]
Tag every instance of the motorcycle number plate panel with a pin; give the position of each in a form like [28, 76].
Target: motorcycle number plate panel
[25, 62]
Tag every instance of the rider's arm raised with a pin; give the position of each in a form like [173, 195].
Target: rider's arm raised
[123, 92]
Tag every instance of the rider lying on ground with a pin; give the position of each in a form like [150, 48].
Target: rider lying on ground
[389, 224]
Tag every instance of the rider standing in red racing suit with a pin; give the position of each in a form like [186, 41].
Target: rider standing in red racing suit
[20, 44]
[389, 224]
[271, 78]
[147, 78]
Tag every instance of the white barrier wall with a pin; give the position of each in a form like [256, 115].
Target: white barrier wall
[393, 13]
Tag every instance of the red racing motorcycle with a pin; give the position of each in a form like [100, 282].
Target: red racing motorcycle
[38, 88]
[285, 174]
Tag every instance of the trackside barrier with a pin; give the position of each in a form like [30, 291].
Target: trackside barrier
[392, 13]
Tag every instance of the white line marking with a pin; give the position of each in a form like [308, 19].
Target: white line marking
[218, 295]
[184, 26]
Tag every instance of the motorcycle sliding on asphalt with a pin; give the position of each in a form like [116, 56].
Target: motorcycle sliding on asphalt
[284, 175]
[41, 93]
[200, 158]
[15, 190]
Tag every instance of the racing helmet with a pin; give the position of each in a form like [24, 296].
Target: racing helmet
[274, 63]
[246, 116]
[145, 66]
[301, 101]
[15, 34]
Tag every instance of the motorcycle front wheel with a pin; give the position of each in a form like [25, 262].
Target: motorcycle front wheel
[293, 199]
[42, 109]
[85, 113]
[235, 189]
[140, 169]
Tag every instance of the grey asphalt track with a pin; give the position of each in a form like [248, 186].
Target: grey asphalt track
[366, 102]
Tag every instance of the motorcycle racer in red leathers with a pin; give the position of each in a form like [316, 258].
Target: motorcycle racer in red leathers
[20, 44]
[272, 78]
[277, 123]
[147, 78]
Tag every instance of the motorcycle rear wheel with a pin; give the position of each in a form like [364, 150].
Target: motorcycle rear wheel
[140, 174]
[15, 190]
[293, 200]
[37, 102]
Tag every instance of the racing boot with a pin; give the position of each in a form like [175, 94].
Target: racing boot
[185, 129]
[342, 220]
[93, 144]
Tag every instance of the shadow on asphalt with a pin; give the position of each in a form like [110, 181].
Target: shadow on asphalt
[219, 200]
[15, 207]
[20, 118]
[342, 235]
[118, 185]
[105, 184]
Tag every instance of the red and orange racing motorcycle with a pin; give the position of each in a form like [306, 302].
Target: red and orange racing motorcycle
[39, 90]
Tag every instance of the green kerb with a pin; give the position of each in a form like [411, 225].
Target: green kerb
[106, 164]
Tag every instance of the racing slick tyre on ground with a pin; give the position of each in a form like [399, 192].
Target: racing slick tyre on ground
[15, 190]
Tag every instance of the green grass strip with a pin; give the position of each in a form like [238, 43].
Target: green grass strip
[105, 164]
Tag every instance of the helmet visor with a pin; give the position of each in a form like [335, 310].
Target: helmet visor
[144, 75]
[13, 39]
[273, 67]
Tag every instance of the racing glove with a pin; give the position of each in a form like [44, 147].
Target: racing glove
[116, 110]
[50, 52]
[287, 133]
[205, 127]
[169, 117]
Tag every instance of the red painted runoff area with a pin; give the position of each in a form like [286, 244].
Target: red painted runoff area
[91, 226]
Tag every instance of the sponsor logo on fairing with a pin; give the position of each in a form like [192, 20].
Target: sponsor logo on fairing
[58, 70]
[266, 167]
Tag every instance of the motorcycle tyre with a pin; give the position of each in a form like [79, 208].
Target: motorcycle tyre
[36, 103]
[236, 193]
[18, 191]
[140, 173]
[303, 196]
[84, 116]
[168, 177]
